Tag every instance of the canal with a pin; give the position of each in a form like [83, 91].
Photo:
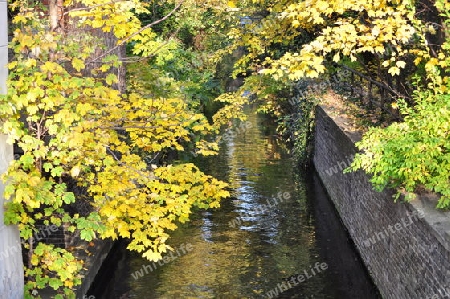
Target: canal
[277, 236]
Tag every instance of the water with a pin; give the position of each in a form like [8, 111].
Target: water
[278, 236]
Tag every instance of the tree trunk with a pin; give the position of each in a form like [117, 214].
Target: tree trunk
[11, 265]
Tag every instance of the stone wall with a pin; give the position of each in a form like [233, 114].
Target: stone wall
[405, 246]
[56, 235]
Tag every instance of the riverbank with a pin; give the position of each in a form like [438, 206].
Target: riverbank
[405, 246]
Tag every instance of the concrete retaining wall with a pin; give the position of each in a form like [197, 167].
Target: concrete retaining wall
[405, 246]
[11, 267]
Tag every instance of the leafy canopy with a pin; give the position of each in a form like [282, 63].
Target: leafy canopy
[79, 132]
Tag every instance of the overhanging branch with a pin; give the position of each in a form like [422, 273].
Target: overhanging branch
[137, 32]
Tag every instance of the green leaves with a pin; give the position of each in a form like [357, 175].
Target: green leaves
[57, 171]
[87, 235]
[111, 79]
[412, 154]
[58, 269]
[68, 197]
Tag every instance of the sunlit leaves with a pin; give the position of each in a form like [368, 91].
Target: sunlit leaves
[414, 153]
[57, 268]
[77, 130]
[78, 64]
[169, 199]
[340, 29]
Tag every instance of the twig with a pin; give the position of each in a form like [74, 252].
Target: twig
[137, 32]
[91, 7]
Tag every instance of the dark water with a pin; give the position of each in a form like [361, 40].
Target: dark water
[278, 233]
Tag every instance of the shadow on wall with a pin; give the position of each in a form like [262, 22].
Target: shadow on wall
[337, 247]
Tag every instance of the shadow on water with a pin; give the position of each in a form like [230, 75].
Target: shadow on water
[278, 236]
[347, 278]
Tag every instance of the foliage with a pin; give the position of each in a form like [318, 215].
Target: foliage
[289, 41]
[177, 71]
[48, 259]
[298, 123]
[182, 59]
[415, 153]
[319, 31]
[64, 111]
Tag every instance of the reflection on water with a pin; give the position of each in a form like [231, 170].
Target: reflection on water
[271, 237]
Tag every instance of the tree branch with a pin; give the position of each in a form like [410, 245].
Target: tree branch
[137, 32]
[91, 7]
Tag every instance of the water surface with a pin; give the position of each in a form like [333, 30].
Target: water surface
[276, 237]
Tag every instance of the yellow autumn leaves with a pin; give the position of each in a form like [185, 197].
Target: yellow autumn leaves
[336, 29]
[169, 198]
[346, 28]
[75, 128]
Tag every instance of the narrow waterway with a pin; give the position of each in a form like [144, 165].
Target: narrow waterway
[276, 237]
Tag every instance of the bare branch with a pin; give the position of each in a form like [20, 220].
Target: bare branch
[92, 7]
[137, 32]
